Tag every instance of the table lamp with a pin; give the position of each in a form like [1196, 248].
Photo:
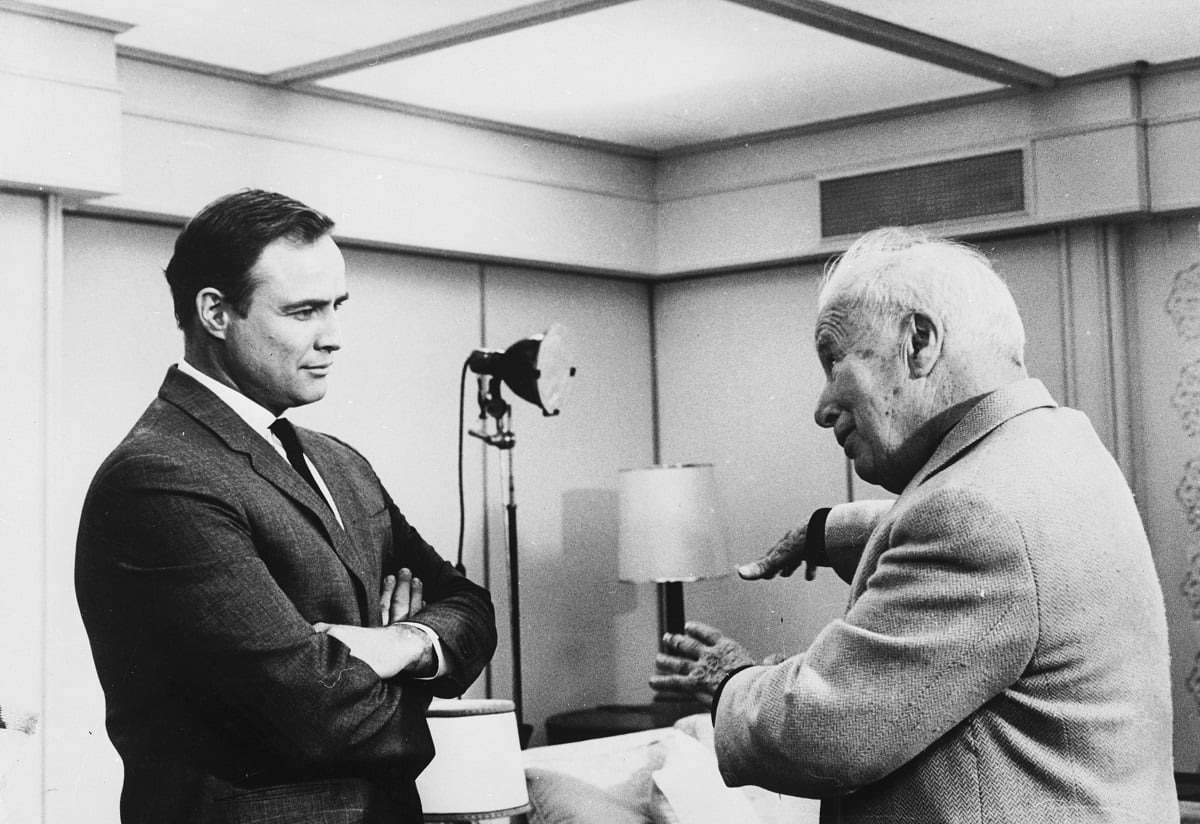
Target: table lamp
[477, 773]
[670, 532]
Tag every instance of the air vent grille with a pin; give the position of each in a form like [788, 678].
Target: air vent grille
[989, 184]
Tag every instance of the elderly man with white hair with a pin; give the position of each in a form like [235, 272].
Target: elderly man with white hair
[1003, 657]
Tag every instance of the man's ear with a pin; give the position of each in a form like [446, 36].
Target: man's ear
[212, 312]
[922, 344]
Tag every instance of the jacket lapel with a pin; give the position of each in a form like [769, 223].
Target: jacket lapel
[211, 412]
[1004, 404]
[993, 410]
[353, 547]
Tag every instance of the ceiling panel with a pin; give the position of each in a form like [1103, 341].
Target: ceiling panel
[1064, 37]
[660, 74]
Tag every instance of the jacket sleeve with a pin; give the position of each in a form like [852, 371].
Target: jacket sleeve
[847, 528]
[946, 622]
[458, 610]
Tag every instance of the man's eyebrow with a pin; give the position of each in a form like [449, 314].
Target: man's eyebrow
[316, 303]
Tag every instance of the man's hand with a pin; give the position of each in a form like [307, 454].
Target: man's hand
[395, 647]
[402, 597]
[783, 558]
[697, 661]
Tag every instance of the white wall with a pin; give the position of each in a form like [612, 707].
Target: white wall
[385, 177]
[586, 638]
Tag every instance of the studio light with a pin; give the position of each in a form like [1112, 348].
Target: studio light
[537, 369]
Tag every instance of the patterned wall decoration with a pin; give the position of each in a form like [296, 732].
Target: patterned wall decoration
[1183, 304]
[1188, 493]
[1183, 307]
[1187, 398]
[1191, 586]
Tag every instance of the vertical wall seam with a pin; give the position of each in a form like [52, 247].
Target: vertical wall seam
[652, 316]
[52, 354]
[1119, 348]
[1145, 192]
[1067, 310]
[485, 532]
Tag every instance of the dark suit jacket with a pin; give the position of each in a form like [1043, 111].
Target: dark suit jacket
[203, 559]
[1004, 654]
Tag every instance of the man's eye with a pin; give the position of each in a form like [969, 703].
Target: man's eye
[304, 314]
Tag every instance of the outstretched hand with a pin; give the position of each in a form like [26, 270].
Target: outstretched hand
[697, 661]
[782, 559]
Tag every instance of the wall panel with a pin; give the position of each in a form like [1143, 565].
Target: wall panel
[738, 386]
[119, 337]
[1164, 281]
[28, 275]
[586, 637]
[393, 395]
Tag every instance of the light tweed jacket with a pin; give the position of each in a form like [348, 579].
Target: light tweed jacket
[1004, 654]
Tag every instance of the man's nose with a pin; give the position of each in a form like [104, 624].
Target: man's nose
[827, 411]
[330, 337]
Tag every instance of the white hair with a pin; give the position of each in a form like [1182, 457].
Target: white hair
[892, 272]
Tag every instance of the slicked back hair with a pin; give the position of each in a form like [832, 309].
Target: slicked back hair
[220, 245]
[890, 273]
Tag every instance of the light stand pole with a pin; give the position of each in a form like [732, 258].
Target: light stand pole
[514, 588]
[491, 404]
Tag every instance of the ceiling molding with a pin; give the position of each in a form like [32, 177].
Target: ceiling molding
[75, 18]
[547, 11]
[172, 61]
[477, 122]
[905, 41]
[836, 123]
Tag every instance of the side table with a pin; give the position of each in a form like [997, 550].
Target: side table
[615, 719]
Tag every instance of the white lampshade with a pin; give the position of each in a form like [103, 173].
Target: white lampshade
[670, 524]
[477, 772]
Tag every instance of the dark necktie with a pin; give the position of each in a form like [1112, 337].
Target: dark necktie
[286, 433]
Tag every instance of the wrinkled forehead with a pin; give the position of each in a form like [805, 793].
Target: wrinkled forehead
[841, 322]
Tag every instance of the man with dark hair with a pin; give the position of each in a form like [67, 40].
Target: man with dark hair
[1003, 657]
[267, 627]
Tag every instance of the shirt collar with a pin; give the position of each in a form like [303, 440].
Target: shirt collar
[259, 418]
